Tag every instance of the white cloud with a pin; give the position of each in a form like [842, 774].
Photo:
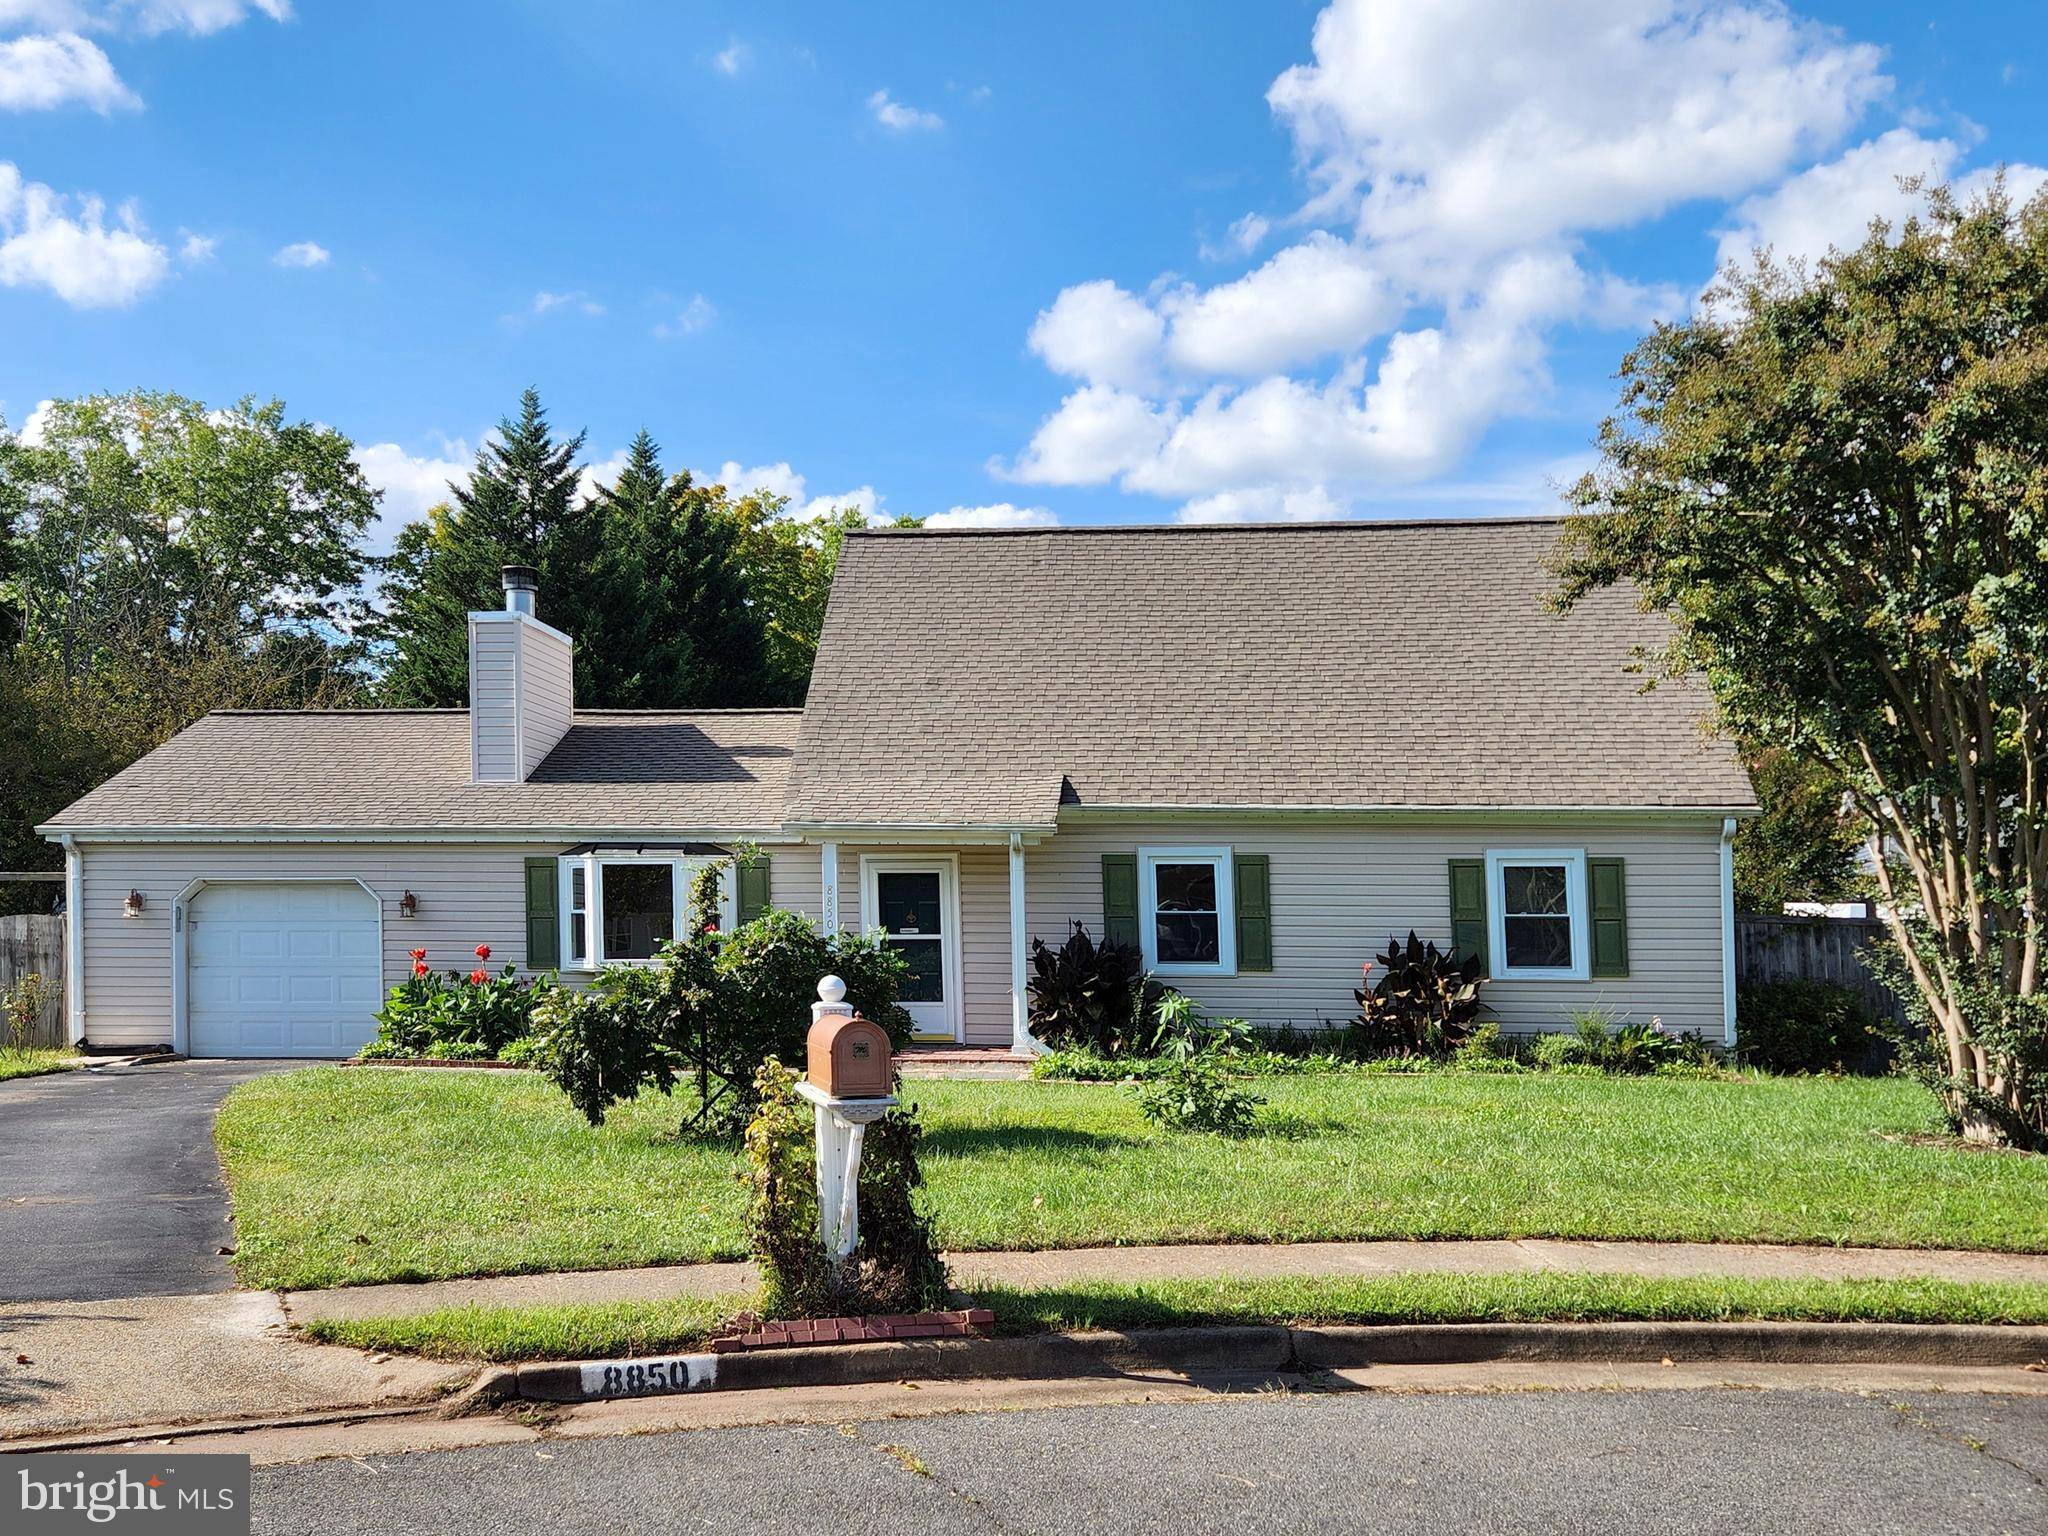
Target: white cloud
[1263, 504]
[38, 73]
[1098, 333]
[1457, 155]
[303, 254]
[1312, 299]
[411, 482]
[732, 58]
[692, 318]
[576, 299]
[195, 249]
[602, 473]
[1000, 514]
[1831, 206]
[67, 245]
[36, 429]
[148, 17]
[898, 117]
[1097, 434]
[779, 479]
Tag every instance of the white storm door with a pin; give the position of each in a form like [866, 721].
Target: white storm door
[282, 968]
[916, 905]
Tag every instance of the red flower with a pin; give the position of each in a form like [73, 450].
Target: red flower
[483, 951]
[711, 927]
[419, 954]
[479, 976]
[419, 967]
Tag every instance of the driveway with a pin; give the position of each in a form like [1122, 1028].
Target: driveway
[108, 1182]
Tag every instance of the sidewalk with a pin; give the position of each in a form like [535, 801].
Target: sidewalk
[1220, 1261]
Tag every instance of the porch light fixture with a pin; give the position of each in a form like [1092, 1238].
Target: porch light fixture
[133, 904]
[408, 905]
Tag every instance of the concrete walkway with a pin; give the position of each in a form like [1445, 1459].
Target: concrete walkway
[1221, 1261]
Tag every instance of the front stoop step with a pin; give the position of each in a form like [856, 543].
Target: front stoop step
[987, 1062]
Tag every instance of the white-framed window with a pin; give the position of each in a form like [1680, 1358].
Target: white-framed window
[1187, 911]
[1536, 914]
[620, 905]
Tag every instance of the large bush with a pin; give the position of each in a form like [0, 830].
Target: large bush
[716, 1006]
[1091, 996]
[1803, 1026]
[605, 1043]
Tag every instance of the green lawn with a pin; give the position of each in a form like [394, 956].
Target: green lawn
[641, 1328]
[352, 1175]
[35, 1061]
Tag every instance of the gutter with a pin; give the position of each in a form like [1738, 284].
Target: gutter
[197, 832]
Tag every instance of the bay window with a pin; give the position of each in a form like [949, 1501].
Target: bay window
[621, 905]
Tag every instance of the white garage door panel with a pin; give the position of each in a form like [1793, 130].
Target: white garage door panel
[282, 969]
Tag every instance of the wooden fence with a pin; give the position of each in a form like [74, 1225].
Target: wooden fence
[35, 944]
[1816, 949]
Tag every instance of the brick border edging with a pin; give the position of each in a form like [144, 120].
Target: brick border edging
[1270, 1349]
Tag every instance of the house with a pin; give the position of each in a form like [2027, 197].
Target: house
[1256, 752]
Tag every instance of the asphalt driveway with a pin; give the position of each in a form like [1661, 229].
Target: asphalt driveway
[108, 1182]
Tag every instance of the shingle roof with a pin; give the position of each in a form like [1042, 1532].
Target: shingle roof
[979, 677]
[713, 769]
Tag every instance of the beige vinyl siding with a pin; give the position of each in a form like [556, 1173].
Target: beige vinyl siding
[1341, 889]
[984, 929]
[796, 880]
[493, 687]
[469, 894]
[546, 693]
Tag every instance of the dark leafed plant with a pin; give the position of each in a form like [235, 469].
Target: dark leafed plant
[1091, 995]
[1425, 1002]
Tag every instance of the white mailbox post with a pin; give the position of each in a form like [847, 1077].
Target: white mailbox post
[843, 1051]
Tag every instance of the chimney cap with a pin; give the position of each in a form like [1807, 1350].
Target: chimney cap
[520, 578]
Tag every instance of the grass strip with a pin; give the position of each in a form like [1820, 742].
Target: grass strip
[35, 1061]
[593, 1331]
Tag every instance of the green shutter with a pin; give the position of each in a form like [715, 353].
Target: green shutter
[753, 888]
[1468, 909]
[1120, 899]
[543, 931]
[1252, 875]
[1610, 916]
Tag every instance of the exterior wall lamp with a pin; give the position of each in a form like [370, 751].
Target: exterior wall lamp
[408, 905]
[132, 904]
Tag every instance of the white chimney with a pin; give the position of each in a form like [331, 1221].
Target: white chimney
[521, 684]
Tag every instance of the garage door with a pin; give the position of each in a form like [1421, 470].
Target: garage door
[281, 969]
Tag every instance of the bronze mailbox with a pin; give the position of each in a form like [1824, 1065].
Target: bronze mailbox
[849, 1057]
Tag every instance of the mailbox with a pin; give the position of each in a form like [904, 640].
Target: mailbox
[849, 1058]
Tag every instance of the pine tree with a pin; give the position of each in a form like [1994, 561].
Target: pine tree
[519, 508]
[668, 624]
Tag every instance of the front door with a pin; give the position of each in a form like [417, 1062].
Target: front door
[914, 903]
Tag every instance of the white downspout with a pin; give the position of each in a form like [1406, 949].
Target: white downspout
[1728, 932]
[1020, 1011]
[74, 940]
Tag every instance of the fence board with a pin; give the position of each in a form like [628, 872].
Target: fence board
[35, 943]
[1769, 948]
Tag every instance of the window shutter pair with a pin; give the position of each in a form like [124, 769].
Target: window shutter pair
[1252, 878]
[1608, 921]
[543, 912]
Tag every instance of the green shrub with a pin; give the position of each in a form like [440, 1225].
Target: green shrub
[1194, 1093]
[1424, 1004]
[895, 1267]
[451, 1016]
[1094, 996]
[603, 1044]
[1803, 1026]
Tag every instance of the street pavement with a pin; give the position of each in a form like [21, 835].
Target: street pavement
[1688, 1462]
[109, 1186]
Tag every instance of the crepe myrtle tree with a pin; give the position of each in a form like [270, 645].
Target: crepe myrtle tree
[1835, 484]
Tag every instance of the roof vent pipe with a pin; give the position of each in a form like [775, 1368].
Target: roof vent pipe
[522, 586]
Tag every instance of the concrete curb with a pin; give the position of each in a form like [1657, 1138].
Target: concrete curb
[1272, 1350]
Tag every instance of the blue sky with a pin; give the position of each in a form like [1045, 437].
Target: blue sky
[1088, 262]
